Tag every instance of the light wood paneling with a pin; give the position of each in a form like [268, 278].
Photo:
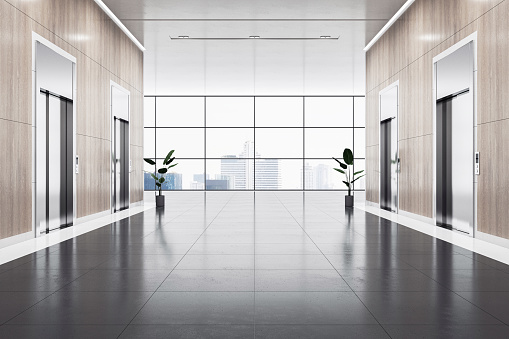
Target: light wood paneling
[428, 28]
[103, 53]
[15, 185]
[416, 176]
[372, 174]
[493, 183]
[136, 177]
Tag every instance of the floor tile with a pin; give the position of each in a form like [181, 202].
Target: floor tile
[311, 308]
[320, 331]
[495, 303]
[300, 281]
[119, 280]
[105, 308]
[142, 262]
[14, 303]
[187, 331]
[209, 280]
[381, 261]
[60, 331]
[446, 331]
[470, 280]
[423, 308]
[292, 262]
[198, 308]
[37, 280]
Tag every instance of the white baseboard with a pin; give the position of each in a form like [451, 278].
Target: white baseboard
[92, 217]
[16, 239]
[416, 217]
[372, 204]
[492, 239]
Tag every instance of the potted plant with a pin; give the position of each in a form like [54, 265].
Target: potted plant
[346, 169]
[159, 175]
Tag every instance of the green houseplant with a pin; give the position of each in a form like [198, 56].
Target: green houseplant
[346, 169]
[159, 175]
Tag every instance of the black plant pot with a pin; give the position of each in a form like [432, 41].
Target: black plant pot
[159, 200]
[348, 200]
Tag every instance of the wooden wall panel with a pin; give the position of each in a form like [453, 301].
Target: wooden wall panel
[428, 28]
[416, 176]
[372, 174]
[493, 183]
[103, 53]
[136, 180]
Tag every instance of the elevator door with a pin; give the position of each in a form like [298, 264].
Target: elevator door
[59, 162]
[121, 189]
[454, 163]
[388, 165]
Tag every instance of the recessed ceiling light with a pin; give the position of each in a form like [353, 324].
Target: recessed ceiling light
[254, 37]
[183, 36]
[324, 36]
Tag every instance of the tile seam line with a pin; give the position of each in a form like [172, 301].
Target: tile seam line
[455, 292]
[153, 293]
[367, 309]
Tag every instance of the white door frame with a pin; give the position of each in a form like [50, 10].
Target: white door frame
[472, 38]
[383, 91]
[36, 89]
[113, 84]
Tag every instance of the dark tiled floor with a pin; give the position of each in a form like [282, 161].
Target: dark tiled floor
[264, 265]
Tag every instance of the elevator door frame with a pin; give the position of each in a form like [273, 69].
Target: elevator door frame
[36, 90]
[380, 119]
[471, 39]
[125, 117]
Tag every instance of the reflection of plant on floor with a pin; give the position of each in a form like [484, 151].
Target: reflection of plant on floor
[346, 169]
[159, 175]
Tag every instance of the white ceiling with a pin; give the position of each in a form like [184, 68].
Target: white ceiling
[254, 67]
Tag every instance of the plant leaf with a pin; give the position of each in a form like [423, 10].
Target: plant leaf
[172, 166]
[340, 163]
[168, 156]
[162, 170]
[170, 161]
[347, 184]
[348, 156]
[358, 172]
[158, 184]
[339, 170]
[358, 178]
[153, 176]
[149, 161]
[162, 180]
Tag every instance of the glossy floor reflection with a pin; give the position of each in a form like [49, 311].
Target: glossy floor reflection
[262, 265]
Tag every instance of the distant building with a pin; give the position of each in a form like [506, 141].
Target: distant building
[220, 184]
[267, 174]
[321, 176]
[306, 176]
[173, 181]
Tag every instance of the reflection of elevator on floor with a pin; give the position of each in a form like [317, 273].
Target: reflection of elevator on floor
[454, 139]
[59, 160]
[121, 170]
[389, 157]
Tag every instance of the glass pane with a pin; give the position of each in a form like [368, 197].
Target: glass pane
[360, 112]
[230, 142]
[187, 175]
[230, 112]
[279, 142]
[187, 142]
[230, 173]
[327, 142]
[149, 111]
[329, 112]
[149, 143]
[148, 181]
[273, 174]
[180, 112]
[359, 143]
[360, 165]
[319, 175]
[278, 112]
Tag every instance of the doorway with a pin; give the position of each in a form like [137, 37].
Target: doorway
[389, 152]
[121, 163]
[454, 140]
[54, 146]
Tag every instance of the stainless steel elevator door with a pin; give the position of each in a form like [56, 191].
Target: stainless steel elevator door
[388, 165]
[455, 177]
[121, 189]
[59, 162]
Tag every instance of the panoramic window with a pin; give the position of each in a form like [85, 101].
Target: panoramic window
[254, 143]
